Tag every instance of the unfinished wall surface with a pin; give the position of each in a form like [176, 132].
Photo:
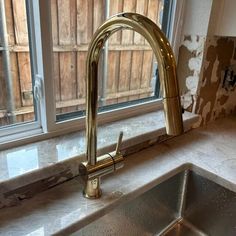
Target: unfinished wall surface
[189, 68]
[214, 101]
[201, 69]
[203, 60]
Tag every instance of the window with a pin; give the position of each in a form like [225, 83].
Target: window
[18, 110]
[126, 64]
[42, 63]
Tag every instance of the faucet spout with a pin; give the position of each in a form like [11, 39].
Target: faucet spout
[167, 73]
[167, 70]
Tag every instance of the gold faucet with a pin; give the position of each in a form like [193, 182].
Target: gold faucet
[95, 167]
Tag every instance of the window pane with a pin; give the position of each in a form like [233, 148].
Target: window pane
[16, 97]
[127, 70]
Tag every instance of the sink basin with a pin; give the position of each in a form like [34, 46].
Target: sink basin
[186, 204]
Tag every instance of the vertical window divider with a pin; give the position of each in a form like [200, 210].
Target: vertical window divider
[176, 25]
[41, 48]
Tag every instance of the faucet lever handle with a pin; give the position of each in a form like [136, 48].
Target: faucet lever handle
[119, 142]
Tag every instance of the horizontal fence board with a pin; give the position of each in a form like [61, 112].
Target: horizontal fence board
[83, 48]
[81, 101]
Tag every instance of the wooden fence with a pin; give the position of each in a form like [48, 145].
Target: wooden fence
[128, 68]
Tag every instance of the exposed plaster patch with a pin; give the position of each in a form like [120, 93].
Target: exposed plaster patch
[191, 53]
[182, 69]
[214, 77]
[194, 64]
[192, 83]
[200, 100]
[219, 56]
[194, 43]
[206, 110]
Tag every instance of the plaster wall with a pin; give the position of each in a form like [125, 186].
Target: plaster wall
[203, 59]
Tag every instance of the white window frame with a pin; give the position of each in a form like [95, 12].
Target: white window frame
[46, 126]
[50, 104]
[18, 131]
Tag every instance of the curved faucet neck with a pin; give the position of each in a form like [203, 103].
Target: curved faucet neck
[167, 73]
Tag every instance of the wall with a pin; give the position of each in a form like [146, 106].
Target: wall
[195, 27]
[214, 101]
[203, 59]
[196, 17]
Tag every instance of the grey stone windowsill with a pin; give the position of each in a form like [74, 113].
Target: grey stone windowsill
[32, 168]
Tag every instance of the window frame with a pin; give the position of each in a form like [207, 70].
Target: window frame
[20, 130]
[39, 26]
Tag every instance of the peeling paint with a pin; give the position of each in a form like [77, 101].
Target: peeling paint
[223, 99]
[214, 77]
[194, 43]
[192, 83]
[189, 68]
[206, 110]
[201, 66]
[219, 55]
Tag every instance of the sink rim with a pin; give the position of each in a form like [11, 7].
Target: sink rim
[126, 197]
[184, 171]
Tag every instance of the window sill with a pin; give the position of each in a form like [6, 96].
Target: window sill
[35, 167]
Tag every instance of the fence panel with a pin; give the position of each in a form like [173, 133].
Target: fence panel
[129, 66]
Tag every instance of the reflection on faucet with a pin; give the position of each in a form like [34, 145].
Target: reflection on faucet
[95, 167]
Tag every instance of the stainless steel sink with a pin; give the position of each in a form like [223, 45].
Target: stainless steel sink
[186, 204]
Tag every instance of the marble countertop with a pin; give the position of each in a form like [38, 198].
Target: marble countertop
[29, 169]
[61, 210]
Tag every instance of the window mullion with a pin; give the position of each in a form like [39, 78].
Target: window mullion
[176, 25]
[42, 50]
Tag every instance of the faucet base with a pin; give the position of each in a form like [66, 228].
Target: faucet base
[92, 189]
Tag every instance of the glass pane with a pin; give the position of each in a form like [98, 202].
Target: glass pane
[16, 97]
[127, 69]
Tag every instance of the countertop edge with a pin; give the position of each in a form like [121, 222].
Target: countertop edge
[141, 190]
